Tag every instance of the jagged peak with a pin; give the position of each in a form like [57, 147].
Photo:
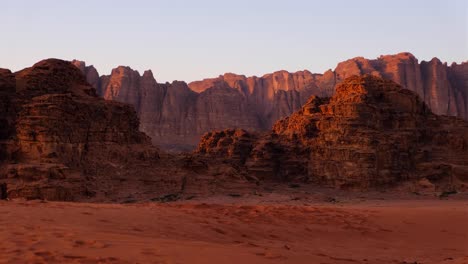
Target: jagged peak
[286, 73]
[358, 58]
[7, 80]
[455, 64]
[232, 75]
[435, 60]
[148, 74]
[79, 63]
[123, 69]
[400, 56]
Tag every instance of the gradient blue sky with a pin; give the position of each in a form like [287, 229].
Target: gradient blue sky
[189, 40]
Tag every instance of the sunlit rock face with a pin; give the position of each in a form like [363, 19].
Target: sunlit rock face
[176, 115]
[370, 133]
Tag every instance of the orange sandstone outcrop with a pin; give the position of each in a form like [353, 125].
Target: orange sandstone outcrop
[371, 133]
[61, 140]
[441, 87]
[176, 115]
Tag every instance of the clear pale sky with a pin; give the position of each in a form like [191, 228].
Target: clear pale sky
[190, 40]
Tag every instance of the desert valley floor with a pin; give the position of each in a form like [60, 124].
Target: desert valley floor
[370, 175]
[260, 228]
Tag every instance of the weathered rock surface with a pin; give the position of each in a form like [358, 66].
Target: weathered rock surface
[440, 86]
[57, 134]
[176, 115]
[371, 133]
[91, 74]
[172, 114]
[7, 111]
[60, 141]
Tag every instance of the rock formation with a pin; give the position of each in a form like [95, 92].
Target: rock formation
[371, 133]
[441, 87]
[59, 138]
[91, 74]
[60, 141]
[7, 111]
[176, 115]
[172, 114]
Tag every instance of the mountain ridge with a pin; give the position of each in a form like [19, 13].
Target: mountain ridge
[60, 141]
[176, 114]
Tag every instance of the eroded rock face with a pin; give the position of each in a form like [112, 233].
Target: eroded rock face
[59, 134]
[272, 96]
[172, 114]
[7, 89]
[61, 141]
[7, 112]
[439, 85]
[176, 115]
[91, 74]
[371, 133]
[444, 89]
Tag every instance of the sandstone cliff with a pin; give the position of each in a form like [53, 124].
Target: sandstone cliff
[172, 114]
[60, 141]
[91, 74]
[176, 115]
[440, 86]
[371, 133]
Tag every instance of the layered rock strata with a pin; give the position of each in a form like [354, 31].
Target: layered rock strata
[370, 133]
[57, 134]
[176, 114]
[60, 141]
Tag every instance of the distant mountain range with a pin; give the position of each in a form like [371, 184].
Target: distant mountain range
[60, 141]
[175, 115]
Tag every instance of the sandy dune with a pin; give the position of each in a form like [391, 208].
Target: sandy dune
[369, 232]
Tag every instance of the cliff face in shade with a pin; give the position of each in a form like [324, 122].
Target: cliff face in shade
[172, 114]
[176, 115]
[272, 96]
[91, 74]
[62, 141]
[442, 87]
[7, 108]
[371, 133]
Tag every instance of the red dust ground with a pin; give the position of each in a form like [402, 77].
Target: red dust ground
[243, 231]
